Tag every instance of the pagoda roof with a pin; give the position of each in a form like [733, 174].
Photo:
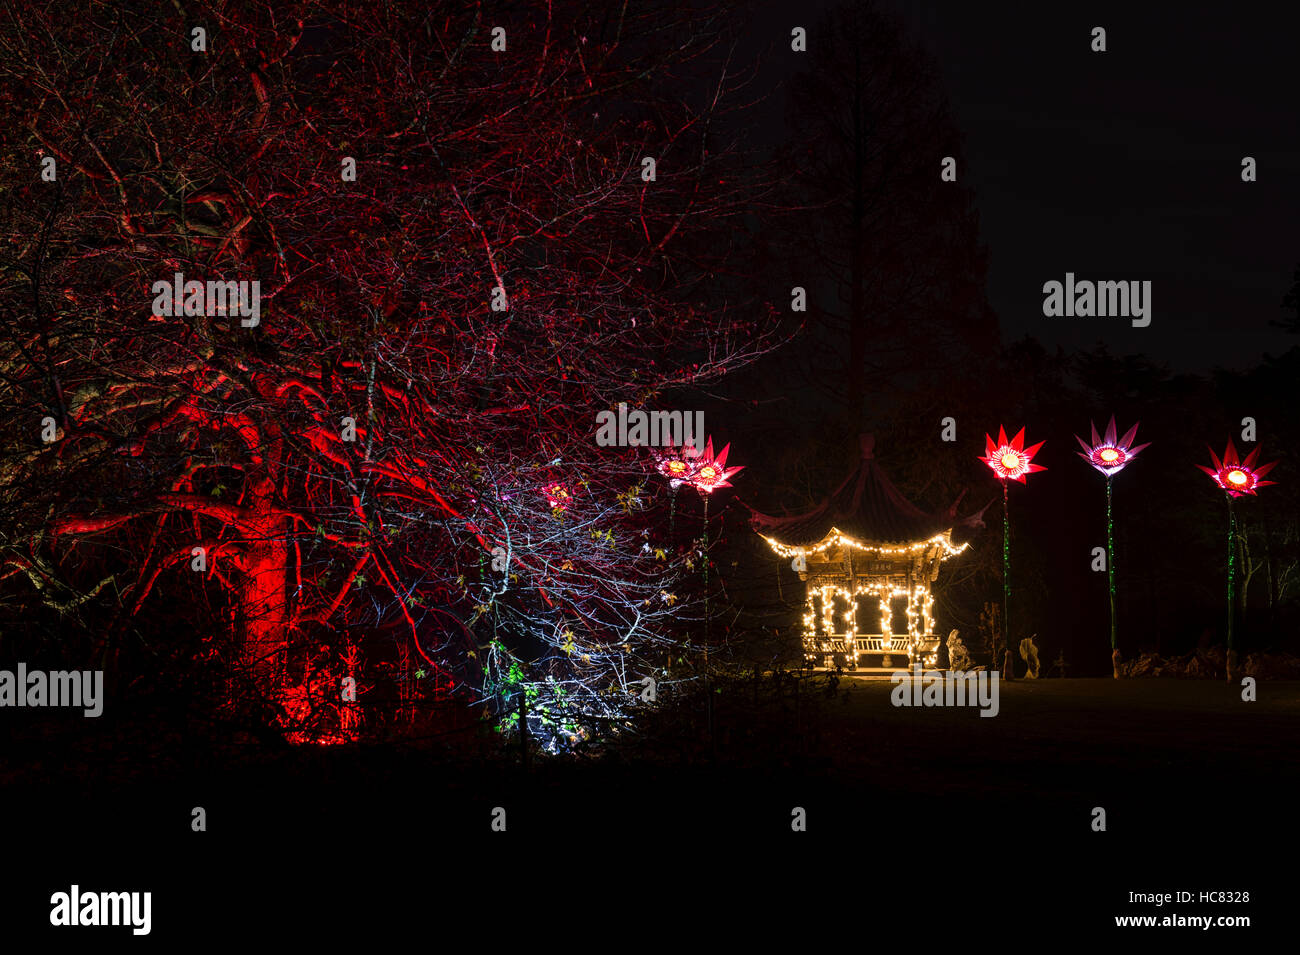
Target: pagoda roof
[866, 507]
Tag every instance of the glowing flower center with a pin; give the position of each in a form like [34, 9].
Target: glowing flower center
[708, 472]
[1010, 461]
[1237, 477]
[1109, 455]
[677, 467]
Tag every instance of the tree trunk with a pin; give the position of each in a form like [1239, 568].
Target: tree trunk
[265, 608]
[263, 600]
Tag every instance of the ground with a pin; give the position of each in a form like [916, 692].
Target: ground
[922, 809]
[1070, 739]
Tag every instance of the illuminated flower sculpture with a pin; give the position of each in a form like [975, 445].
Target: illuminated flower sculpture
[706, 473]
[1236, 477]
[678, 465]
[1010, 461]
[1109, 456]
[700, 469]
[712, 473]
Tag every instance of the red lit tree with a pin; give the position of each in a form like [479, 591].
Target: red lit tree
[483, 178]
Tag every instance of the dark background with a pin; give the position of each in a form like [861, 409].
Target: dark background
[1123, 164]
[1119, 165]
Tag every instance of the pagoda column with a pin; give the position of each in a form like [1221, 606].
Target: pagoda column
[912, 650]
[810, 642]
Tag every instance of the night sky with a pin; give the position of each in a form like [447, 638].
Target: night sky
[1123, 165]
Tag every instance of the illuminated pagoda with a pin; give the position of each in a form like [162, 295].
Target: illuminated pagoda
[867, 541]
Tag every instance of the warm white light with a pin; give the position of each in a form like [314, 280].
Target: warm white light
[920, 622]
[823, 639]
[836, 538]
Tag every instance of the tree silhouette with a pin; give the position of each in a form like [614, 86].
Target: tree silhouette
[436, 333]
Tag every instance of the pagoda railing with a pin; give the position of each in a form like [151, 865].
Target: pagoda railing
[842, 649]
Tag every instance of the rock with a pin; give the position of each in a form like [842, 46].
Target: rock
[1271, 666]
[1211, 663]
[1146, 664]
